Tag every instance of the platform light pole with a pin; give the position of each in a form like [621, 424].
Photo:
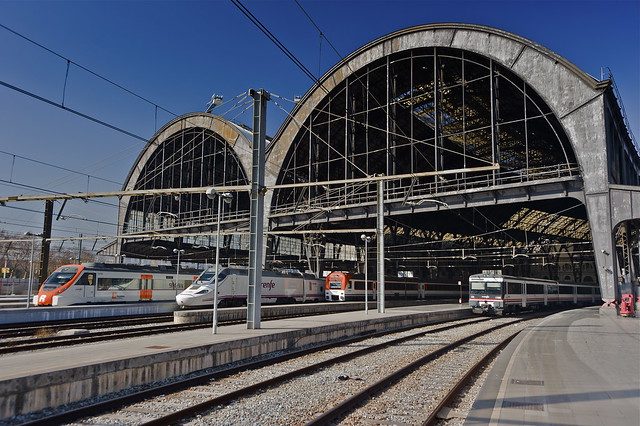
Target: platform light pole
[380, 241]
[33, 245]
[366, 240]
[224, 197]
[179, 252]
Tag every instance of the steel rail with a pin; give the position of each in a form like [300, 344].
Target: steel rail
[29, 330]
[433, 416]
[119, 402]
[60, 341]
[356, 400]
[246, 391]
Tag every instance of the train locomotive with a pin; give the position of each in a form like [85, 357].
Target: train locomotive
[280, 286]
[343, 286]
[492, 293]
[111, 283]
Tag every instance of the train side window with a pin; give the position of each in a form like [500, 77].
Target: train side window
[112, 284]
[87, 279]
[514, 288]
[535, 289]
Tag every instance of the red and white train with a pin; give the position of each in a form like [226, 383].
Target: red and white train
[112, 283]
[499, 294]
[343, 286]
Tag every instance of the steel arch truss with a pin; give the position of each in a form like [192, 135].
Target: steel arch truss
[421, 110]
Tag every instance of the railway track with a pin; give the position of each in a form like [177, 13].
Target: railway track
[31, 329]
[149, 397]
[236, 397]
[114, 333]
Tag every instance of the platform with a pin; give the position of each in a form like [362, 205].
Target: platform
[36, 314]
[575, 368]
[190, 316]
[48, 378]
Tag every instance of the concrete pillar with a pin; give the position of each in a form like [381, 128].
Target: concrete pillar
[599, 212]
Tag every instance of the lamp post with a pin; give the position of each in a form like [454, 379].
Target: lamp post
[366, 240]
[180, 251]
[33, 245]
[226, 198]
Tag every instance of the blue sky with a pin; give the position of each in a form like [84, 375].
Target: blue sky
[179, 53]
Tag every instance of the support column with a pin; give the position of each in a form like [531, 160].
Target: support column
[46, 244]
[599, 211]
[380, 240]
[256, 221]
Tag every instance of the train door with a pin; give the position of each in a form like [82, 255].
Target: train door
[304, 289]
[90, 286]
[146, 287]
[234, 283]
[82, 290]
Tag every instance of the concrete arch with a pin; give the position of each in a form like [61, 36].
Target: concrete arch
[574, 97]
[235, 137]
[581, 103]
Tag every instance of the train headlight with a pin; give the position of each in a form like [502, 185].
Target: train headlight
[203, 291]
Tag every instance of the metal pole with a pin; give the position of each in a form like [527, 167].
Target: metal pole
[460, 287]
[380, 237]
[177, 271]
[366, 276]
[80, 250]
[215, 281]
[256, 218]
[33, 245]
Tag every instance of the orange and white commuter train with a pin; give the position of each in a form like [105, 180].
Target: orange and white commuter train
[499, 294]
[343, 286]
[112, 283]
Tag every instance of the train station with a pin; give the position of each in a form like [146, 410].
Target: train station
[420, 170]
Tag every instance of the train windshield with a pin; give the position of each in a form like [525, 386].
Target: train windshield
[485, 286]
[59, 277]
[335, 285]
[207, 277]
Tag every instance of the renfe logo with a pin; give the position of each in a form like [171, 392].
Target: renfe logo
[269, 285]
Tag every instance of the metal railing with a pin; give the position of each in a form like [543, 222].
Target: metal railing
[342, 196]
[338, 197]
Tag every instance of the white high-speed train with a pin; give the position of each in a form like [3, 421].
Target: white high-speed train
[282, 286]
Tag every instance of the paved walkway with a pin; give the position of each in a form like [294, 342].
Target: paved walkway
[575, 368]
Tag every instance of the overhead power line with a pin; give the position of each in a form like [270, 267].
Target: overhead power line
[318, 28]
[82, 67]
[246, 12]
[63, 216]
[33, 160]
[73, 111]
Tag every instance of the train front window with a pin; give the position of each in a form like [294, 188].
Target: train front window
[59, 277]
[485, 286]
[206, 277]
[477, 286]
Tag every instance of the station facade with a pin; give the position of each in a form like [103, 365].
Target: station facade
[496, 154]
